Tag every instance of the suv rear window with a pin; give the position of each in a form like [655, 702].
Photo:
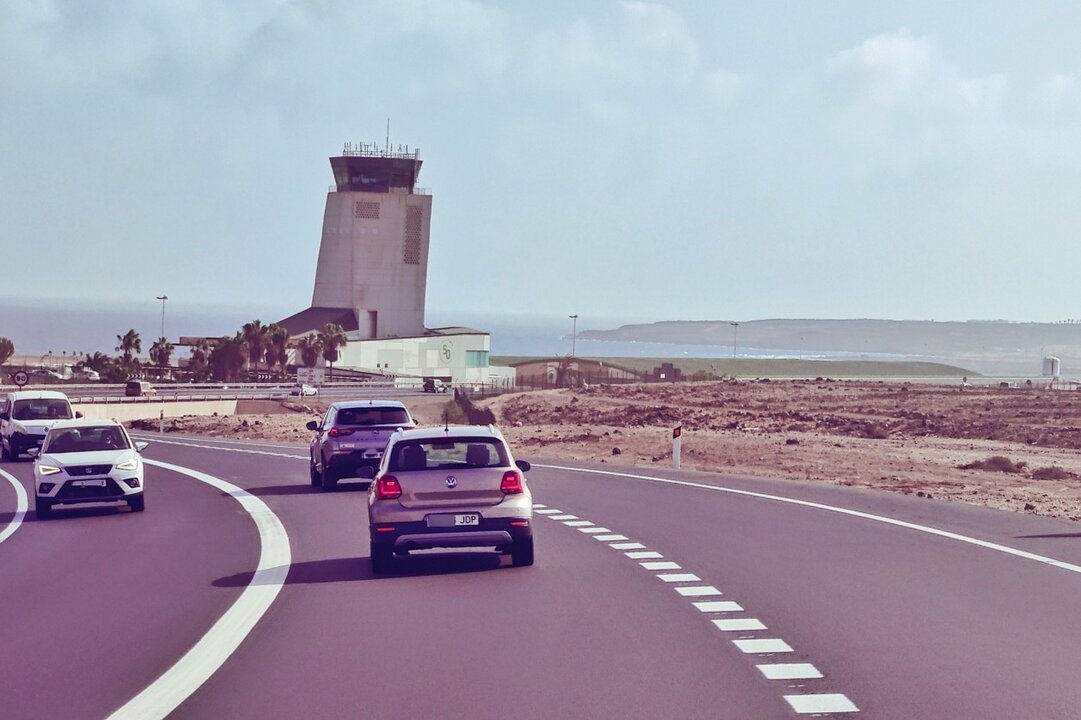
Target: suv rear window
[41, 409]
[372, 416]
[448, 454]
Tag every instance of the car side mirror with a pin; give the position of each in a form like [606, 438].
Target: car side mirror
[34, 452]
[78, 413]
[312, 425]
[140, 446]
[523, 465]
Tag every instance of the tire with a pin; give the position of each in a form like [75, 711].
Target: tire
[382, 558]
[317, 480]
[330, 479]
[4, 451]
[137, 503]
[522, 553]
[43, 509]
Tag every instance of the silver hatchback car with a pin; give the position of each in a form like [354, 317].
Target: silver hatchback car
[449, 487]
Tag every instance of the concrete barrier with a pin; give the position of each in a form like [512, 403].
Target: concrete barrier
[153, 410]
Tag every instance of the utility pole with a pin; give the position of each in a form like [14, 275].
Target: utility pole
[163, 298]
[735, 338]
[574, 331]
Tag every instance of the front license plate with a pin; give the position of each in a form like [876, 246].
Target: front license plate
[88, 483]
[470, 519]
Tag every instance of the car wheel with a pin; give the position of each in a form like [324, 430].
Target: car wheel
[316, 479]
[3, 451]
[43, 508]
[522, 552]
[137, 503]
[382, 558]
[330, 478]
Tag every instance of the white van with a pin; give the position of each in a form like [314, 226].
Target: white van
[26, 416]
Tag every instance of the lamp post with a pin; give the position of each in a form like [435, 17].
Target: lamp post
[163, 298]
[735, 338]
[574, 331]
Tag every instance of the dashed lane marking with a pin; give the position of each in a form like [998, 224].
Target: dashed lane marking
[212, 650]
[762, 646]
[626, 545]
[577, 523]
[609, 538]
[679, 577]
[789, 671]
[718, 606]
[643, 555]
[548, 511]
[821, 703]
[564, 517]
[21, 505]
[698, 591]
[591, 530]
[739, 624]
[666, 565]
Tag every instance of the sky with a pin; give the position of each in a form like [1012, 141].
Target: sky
[614, 159]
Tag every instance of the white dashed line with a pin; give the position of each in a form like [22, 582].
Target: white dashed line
[763, 645]
[718, 606]
[739, 624]
[609, 538]
[591, 530]
[790, 671]
[644, 555]
[548, 511]
[824, 703]
[626, 545]
[699, 591]
[21, 504]
[563, 517]
[661, 566]
[539, 505]
[680, 577]
[577, 523]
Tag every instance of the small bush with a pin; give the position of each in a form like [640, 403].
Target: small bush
[996, 463]
[1054, 472]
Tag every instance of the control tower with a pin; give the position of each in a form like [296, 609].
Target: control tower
[373, 258]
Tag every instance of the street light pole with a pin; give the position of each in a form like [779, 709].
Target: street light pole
[163, 298]
[574, 331]
[735, 338]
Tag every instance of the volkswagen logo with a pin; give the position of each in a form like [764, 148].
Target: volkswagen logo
[452, 481]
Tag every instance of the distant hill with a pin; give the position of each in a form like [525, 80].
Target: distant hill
[992, 347]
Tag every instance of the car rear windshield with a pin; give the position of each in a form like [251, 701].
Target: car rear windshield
[41, 409]
[372, 416]
[447, 454]
[86, 439]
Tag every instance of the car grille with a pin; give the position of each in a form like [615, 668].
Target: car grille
[77, 471]
[72, 492]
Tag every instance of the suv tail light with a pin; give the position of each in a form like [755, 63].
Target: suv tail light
[387, 488]
[339, 432]
[512, 483]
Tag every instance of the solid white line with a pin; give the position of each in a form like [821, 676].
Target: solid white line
[608, 538]
[643, 555]
[627, 546]
[718, 606]
[562, 517]
[763, 645]
[151, 436]
[680, 577]
[664, 565]
[157, 441]
[843, 511]
[590, 530]
[789, 671]
[21, 504]
[212, 650]
[577, 523]
[824, 703]
[739, 624]
[699, 591]
[548, 511]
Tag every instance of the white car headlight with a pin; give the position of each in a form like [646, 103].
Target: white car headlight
[131, 464]
[44, 470]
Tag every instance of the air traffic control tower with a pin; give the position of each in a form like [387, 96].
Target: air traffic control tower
[373, 258]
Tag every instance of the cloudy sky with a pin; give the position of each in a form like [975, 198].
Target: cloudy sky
[684, 160]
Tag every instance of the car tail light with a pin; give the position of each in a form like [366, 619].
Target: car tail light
[387, 488]
[339, 432]
[512, 483]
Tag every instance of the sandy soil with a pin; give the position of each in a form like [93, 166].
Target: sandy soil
[900, 437]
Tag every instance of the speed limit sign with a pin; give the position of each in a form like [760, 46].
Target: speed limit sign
[20, 378]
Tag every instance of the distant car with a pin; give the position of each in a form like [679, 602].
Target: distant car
[449, 487]
[88, 461]
[26, 416]
[349, 441]
[304, 390]
[434, 385]
[91, 375]
[139, 388]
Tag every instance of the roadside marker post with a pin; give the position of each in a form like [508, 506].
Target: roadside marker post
[677, 444]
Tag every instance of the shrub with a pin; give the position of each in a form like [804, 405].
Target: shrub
[1054, 472]
[996, 463]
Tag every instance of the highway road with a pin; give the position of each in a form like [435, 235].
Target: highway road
[656, 594]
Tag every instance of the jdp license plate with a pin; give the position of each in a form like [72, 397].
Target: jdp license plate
[470, 519]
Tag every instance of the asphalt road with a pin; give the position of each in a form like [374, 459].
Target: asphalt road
[898, 622]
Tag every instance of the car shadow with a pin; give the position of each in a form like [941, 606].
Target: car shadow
[1052, 535]
[300, 489]
[62, 513]
[360, 568]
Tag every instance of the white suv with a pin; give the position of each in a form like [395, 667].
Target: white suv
[25, 417]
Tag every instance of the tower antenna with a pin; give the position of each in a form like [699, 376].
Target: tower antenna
[388, 135]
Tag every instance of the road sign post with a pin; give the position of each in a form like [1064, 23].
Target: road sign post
[677, 444]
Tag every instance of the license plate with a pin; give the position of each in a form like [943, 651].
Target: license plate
[470, 519]
[88, 483]
[461, 520]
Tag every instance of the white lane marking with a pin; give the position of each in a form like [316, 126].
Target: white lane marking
[789, 671]
[158, 437]
[666, 565]
[643, 555]
[739, 624]
[718, 606]
[680, 577]
[843, 511]
[823, 703]
[539, 505]
[608, 538]
[21, 504]
[698, 591]
[154, 439]
[627, 546]
[177, 683]
[548, 511]
[763, 645]
[577, 523]
[594, 530]
[563, 517]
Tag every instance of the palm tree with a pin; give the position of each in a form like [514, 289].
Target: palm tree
[197, 364]
[228, 358]
[128, 343]
[98, 362]
[332, 337]
[310, 347]
[161, 351]
[7, 350]
[254, 335]
[277, 346]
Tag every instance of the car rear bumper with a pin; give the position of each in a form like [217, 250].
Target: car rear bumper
[497, 532]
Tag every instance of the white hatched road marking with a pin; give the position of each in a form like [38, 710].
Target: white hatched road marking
[643, 555]
[21, 505]
[822, 703]
[739, 624]
[718, 606]
[789, 671]
[698, 591]
[626, 546]
[763, 645]
[680, 577]
[609, 538]
[577, 523]
[666, 565]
